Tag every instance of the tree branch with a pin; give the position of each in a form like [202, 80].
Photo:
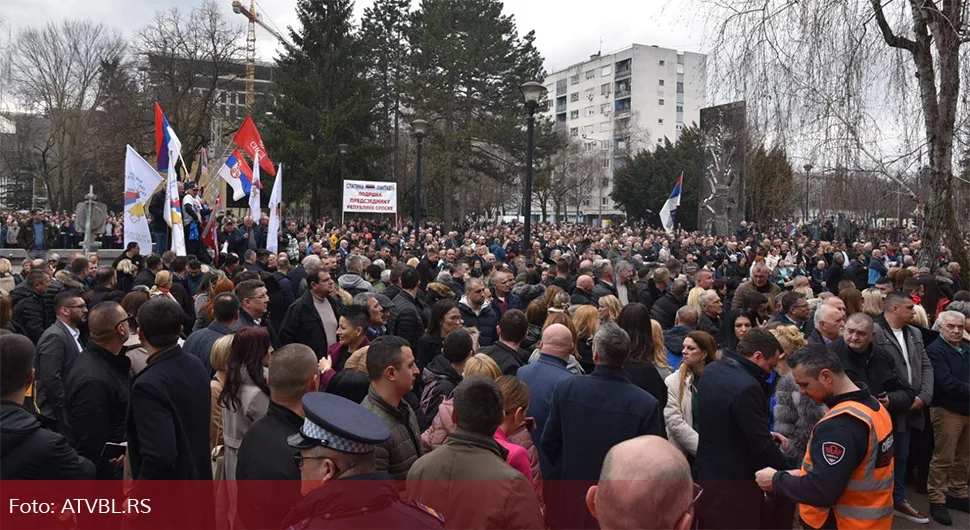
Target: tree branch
[891, 38]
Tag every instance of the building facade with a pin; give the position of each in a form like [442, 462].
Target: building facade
[624, 102]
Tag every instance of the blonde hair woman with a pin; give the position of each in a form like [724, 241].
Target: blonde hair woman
[6, 275]
[872, 302]
[660, 349]
[794, 414]
[609, 308]
[219, 357]
[442, 425]
[163, 284]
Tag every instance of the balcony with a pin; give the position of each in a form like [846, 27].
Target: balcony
[623, 69]
[620, 94]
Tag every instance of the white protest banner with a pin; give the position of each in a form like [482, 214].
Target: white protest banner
[370, 197]
[141, 180]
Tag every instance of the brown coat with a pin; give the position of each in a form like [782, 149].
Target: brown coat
[523, 437]
[469, 482]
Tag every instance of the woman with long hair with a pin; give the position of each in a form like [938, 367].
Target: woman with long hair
[245, 395]
[445, 318]
[757, 307]
[853, 300]
[134, 350]
[700, 350]
[536, 313]
[163, 286]
[515, 432]
[660, 349]
[219, 357]
[735, 327]
[642, 363]
[872, 302]
[609, 308]
[793, 413]
[587, 322]
[551, 293]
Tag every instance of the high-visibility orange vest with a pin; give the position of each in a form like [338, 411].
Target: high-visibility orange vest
[867, 502]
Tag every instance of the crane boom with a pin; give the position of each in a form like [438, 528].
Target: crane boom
[253, 19]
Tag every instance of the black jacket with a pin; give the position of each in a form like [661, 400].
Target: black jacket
[302, 324]
[581, 297]
[601, 289]
[708, 324]
[246, 320]
[647, 377]
[649, 296]
[168, 419]
[509, 361]
[664, 310]
[156, 207]
[265, 455]
[951, 376]
[29, 311]
[30, 452]
[438, 380]
[733, 441]
[97, 405]
[56, 353]
[144, 277]
[874, 369]
[98, 294]
[409, 318]
[486, 321]
[426, 350]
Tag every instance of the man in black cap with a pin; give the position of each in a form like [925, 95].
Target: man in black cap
[337, 442]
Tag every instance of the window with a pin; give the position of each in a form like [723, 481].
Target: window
[680, 108]
[604, 108]
[590, 146]
[606, 201]
[680, 58]
[590, 111]
[606, 71]
[574, 131]
[660, 102]
[574, 114]
[605, 126]
[606, 163]
[574, 97]
[660, 121]
[574, 80]
[661, 82]
[660, 141]
[662, 62]
[680, 88]
[560, 87]
[588, 130]
[605, 89]
[591, 74]
[589, 93]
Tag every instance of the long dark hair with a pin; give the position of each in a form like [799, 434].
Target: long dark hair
[752, 301]
[438, 312]
[249, 347]
[635, 320]
[727, 338]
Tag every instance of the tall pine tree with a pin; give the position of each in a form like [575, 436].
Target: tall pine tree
[467, 63]
[324, 99]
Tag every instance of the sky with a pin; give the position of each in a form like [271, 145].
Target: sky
[567, 31]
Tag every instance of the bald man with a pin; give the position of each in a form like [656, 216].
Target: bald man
[96, 390]
[556, 347]
[583, 295]
[645, 483]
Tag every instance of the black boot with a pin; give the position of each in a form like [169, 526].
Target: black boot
[939, 514]
[956, 503]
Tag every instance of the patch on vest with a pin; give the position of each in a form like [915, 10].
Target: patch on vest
[832, 452]
[886, 452]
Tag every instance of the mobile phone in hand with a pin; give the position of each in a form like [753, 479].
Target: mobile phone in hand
[112, 450]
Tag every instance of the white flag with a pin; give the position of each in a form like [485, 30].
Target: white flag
[275, 199]
[254, 191]
[173, 204]
[141, 180]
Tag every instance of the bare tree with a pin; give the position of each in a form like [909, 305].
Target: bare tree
[188, 59]
[572, 173]
[55, 71]
[859, 84]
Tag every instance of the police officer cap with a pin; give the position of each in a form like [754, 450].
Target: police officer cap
[338, 423]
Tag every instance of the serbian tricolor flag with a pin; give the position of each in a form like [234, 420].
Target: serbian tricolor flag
[237, 174]
[669, 211]
[162, 139]
[248, 139]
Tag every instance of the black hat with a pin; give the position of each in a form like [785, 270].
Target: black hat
[338, 423]
[191, 186]
[382, 299]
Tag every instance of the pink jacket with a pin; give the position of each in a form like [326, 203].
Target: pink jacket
[523, 437]
[518, 458]
[440, 429]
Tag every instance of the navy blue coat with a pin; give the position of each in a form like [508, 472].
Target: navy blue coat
[587, 417]
[733, 441]
[542, 376]
[199, 344]
[951, 376]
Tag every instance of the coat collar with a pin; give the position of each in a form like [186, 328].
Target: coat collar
[220, 328]
[402, 412]
[344, 497]
[284, 415]
[546, 358]
[119, 363]
[614, 373]
[756, 371]
[462, 437]
[164, 355]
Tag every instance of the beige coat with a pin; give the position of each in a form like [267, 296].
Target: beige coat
[235, 423]
[678, 414]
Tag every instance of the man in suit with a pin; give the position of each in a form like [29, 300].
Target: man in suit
[57, 350]
[589, 415]
[254, 308]
[904, 343]
[225, 312]
[168, 415]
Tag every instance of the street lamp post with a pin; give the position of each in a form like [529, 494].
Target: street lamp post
[343, 163]
[532, 91]
[808, 171]
[420, 128]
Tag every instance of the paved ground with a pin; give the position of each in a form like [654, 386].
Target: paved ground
[961, 520]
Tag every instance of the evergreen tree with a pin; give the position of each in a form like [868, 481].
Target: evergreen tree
[642, 185]
[324, 99]
[382, 33]
[467, 64]
[768, 186]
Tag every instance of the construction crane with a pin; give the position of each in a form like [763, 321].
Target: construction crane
[254, 19]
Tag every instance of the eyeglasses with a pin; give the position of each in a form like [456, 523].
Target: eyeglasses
[127, 318]
[698, 491]
[77, 306]
[298, 459]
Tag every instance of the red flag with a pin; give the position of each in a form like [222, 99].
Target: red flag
[248, 140]
[211, 235]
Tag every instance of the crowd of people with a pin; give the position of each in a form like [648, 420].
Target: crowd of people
[616, 377]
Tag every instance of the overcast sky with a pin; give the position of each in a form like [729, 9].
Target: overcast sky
[567, 31]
